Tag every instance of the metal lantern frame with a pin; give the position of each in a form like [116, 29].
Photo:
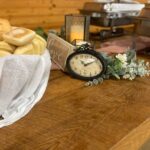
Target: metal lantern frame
[70, 21]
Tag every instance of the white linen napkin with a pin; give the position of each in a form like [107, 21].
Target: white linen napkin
[23, 80]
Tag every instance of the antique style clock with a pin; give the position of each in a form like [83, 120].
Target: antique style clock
[85, 64]
[82, 63]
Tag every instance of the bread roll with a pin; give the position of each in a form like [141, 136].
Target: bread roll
[36, 47]
[4, 53]
[19, 36]
[39, 44]
[26, 49]
[41, 39]
[7, 47]
[4, 27]
[13, 27]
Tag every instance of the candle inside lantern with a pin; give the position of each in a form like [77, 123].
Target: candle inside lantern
[76, 32]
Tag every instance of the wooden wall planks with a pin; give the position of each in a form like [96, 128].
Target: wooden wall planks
[33, 13]
[45, 13]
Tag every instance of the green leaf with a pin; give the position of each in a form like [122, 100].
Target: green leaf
[40, 31]
[131, 54]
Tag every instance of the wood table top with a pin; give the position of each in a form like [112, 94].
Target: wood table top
[71, 116]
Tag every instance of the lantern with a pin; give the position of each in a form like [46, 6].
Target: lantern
[77, 27]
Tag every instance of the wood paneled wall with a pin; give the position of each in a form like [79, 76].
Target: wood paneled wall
[34, 13]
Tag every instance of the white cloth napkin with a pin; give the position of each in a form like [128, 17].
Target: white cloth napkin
[120, 7]
[23, 80]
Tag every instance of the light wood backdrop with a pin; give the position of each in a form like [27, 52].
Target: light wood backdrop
[33, 13]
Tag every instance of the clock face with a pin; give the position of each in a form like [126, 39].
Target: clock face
[86, 65]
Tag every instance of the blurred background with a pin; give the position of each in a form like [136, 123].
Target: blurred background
[44, 13]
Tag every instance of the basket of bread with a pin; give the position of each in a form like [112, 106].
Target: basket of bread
[24, 71]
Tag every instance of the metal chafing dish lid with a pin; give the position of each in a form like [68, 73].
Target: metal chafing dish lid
[113, 9]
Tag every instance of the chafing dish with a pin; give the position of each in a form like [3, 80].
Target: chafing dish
[114, 14]
[111, 15]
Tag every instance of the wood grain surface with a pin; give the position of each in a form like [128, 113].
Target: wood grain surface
[139, 138]
[71, 116]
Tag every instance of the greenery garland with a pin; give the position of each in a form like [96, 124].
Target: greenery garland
[123, 66]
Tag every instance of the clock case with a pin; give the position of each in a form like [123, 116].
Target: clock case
[91, 52]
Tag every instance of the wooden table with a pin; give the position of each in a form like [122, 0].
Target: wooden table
[71, 116]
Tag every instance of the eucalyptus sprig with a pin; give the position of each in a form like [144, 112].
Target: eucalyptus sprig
[123, 66]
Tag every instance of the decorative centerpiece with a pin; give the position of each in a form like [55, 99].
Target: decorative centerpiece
[83, 62]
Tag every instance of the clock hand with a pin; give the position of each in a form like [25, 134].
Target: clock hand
[89, 63]
[82, 62]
